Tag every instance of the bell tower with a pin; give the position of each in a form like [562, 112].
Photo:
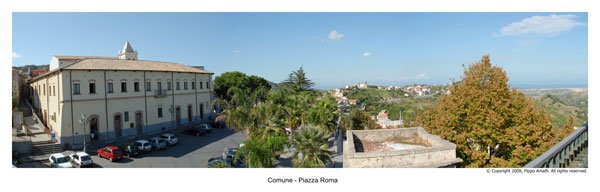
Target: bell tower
[128, 53]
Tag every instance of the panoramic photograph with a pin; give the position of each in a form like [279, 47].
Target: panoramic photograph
[300, 90]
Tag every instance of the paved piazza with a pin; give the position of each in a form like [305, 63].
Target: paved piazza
[190, 152]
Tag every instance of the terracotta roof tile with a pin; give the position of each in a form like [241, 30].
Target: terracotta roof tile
[82, 57]
[128, 65]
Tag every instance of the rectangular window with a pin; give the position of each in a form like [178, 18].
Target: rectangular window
[136, 86]
[158, 86]
[160, 114]
[123, 86]
[200, 85]
[176, 85]
[126, 116]
[109, 87]
[193, 85]
[168, 85]
[76, 90]
[44, 88]
[92, 88]
[185, 85]
[148, 86]
[53, 90]
[208, 85]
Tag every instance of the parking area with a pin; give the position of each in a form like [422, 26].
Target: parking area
[190, 152]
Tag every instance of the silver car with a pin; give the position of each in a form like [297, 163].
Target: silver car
[169, 138]
[158, 143]
[143, 145]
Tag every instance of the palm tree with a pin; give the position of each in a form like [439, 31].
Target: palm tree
[311, 148]
[324, 113]
[262, 151]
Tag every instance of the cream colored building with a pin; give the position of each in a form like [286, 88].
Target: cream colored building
[16, 84]
[123, 97]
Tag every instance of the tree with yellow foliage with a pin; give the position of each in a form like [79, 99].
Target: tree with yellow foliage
[492, 124]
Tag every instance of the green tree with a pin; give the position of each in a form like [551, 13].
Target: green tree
[491, 124]
[324, 113]
[298, 81]
[311, 148]
[239, 80]
[358, 120]
[227, 80]
[261, 152]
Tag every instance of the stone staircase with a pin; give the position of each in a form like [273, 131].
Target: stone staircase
[41, 148]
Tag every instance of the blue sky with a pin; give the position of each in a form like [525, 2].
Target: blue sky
[336, 49]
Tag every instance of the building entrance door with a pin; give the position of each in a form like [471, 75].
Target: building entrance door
[45, 120]
[189, 114]
[94, 126]
[118, 126]
[138, 124]
[201, 112]
[178, 116]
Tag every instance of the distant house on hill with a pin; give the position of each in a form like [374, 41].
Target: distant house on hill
[386, 123]
[38, 72]
[382, 115]
[352, 101]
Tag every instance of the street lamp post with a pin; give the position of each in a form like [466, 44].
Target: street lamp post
[83, 121]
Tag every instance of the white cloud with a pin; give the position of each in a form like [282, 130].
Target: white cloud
[550, 25]
[236, 51]
[15, 55]
[422, 76]
[366, 54]
[335, 35]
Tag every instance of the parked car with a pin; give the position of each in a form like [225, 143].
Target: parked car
[229, 157]
[58, 160]
[195, 130]
[169, 138]
[218, 162]
[81, 159]
[207, 128]
[143, 145]
[129, 150]
[158, 143]
[111, 153]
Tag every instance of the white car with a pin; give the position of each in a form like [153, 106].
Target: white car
[82, 159]
[169, 138]
[143, 145]
[59, 160]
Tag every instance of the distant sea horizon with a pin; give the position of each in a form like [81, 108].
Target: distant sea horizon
[548, 85]
[526, 85]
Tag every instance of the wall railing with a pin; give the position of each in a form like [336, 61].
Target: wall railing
[562, 154]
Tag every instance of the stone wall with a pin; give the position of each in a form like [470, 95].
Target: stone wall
[442, 153]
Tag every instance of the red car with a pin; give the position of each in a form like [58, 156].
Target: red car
[110, 152]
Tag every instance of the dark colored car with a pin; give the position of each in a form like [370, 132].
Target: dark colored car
[230, 158]
[129, 150]
[218, 162]
[207, 128]
[195, 130]
[112, 153]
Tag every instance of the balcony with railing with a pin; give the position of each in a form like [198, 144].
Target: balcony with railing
[571, 152]
[161, 93]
